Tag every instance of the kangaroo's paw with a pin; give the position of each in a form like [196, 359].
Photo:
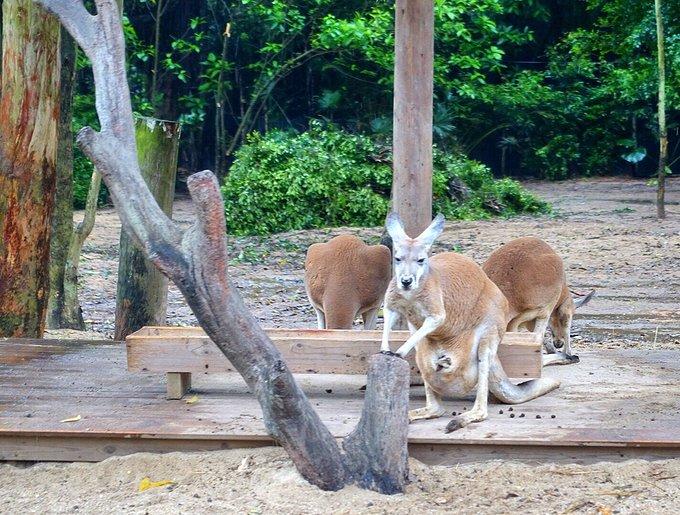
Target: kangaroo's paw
[425, 413]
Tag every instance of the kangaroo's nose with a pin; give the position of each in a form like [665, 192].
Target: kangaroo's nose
[406, 282]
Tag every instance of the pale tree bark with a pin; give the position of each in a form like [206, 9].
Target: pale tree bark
[29, 118]
[196, 261]
[663, 131]
[62, 220]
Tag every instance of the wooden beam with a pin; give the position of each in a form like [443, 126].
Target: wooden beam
[306, 351]
[412, 139]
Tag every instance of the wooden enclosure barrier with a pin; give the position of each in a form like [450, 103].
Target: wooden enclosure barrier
[181, 351]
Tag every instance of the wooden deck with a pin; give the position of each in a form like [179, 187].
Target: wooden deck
[613, 405]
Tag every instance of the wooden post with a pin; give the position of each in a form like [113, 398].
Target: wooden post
[29, 117]
[142, 289]
[412, 140]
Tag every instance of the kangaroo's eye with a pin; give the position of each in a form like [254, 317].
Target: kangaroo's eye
[421, 261]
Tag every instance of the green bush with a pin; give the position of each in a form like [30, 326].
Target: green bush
[326, 177]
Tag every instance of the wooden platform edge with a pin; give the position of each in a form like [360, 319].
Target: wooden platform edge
[94, 449]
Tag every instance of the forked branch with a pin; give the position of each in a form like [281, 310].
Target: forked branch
[196, 261]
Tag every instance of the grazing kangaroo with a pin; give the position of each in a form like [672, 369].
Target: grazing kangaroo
[531, 276]
[457, 318]
[345, 278]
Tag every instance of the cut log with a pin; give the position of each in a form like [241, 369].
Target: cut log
[142, 292]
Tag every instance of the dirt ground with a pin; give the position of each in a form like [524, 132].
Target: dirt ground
[604, 229]
[610, 240]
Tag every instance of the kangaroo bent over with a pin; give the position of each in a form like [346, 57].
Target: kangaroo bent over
[345, 278]
[531, 276]
[457, 317]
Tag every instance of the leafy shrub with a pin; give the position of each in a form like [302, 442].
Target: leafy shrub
[326, 177]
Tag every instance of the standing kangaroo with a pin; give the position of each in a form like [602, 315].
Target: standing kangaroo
[457, 317]
[531, 276]
[345, 278]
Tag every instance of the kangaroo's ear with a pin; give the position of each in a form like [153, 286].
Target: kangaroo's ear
[433, 231]
[394, 227]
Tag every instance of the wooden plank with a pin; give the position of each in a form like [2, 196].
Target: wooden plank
[92, 449]
[305, 351]
[635, 412]
[178, 384]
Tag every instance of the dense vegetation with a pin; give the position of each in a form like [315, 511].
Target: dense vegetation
[325, 176]
[545, 88]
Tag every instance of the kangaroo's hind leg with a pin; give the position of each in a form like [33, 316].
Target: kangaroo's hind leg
[320, 318]
[433, 407]
[487, 348]
[370, 318]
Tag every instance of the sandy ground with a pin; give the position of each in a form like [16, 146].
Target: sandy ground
[610, 240]
[264, 481]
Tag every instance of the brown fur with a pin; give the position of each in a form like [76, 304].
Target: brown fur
[345, 278]
[531, 276]
[456, 289]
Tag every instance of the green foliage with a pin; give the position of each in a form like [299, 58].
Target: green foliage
[572, 85]
[326, 177]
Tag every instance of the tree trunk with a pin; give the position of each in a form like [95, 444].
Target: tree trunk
[663, 133]
[62, 220]
[220, 132]
[196, 260]
[72, 314]
[412, 140]
[29, 117]
[142, 289]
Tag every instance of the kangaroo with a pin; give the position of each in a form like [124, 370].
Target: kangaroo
[345, 278]
[531, 276]
[457, 317]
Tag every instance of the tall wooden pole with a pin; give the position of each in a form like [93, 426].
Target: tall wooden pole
[663, 131]
[412, 140]
[29, 118]
[142, 289]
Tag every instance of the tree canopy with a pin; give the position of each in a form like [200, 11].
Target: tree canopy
[544, 88]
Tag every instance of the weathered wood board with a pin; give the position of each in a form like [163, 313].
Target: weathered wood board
[615, 404]
[306, 351]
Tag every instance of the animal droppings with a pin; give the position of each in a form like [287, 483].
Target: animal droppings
[538, 416]
[521, 415]
[454, 413]
[509, 409]
[512, 415]
[500, 411]
[552, 416]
